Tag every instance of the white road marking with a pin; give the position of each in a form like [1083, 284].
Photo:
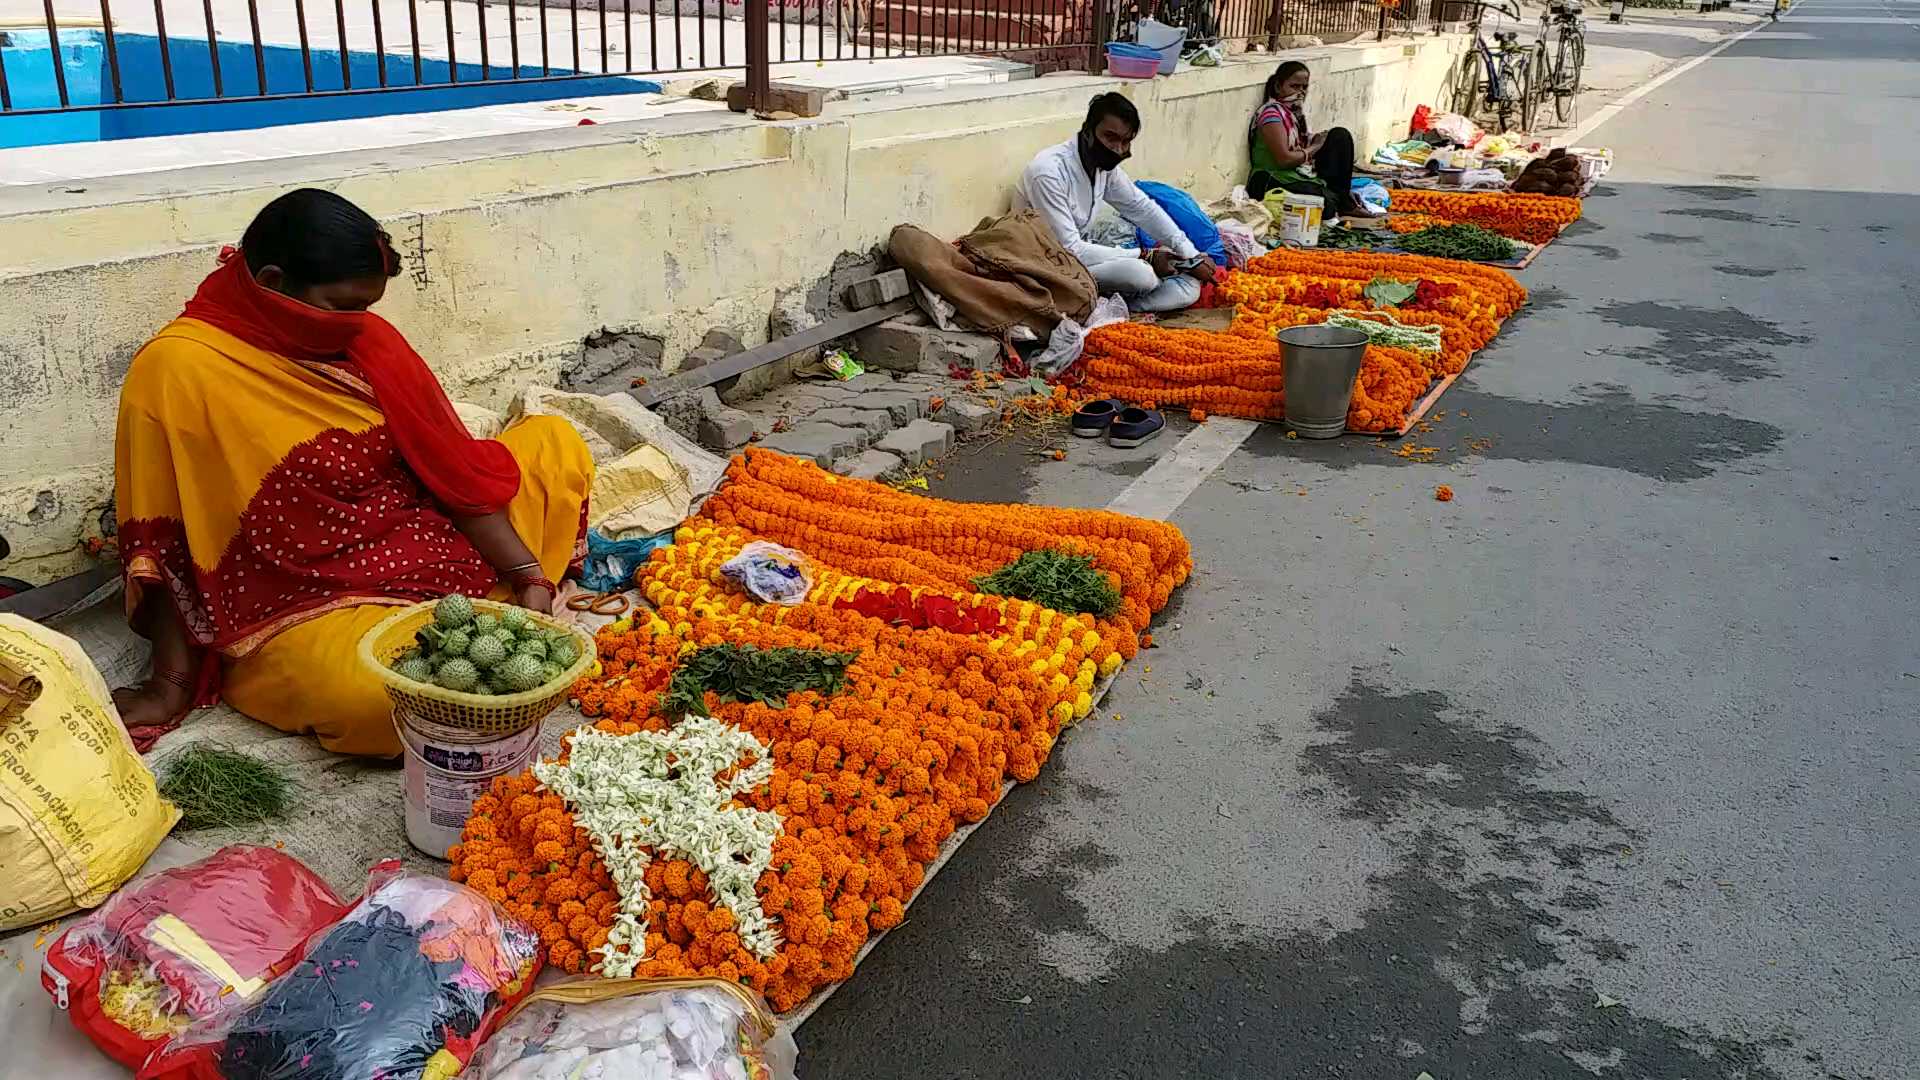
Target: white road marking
[1614, 108]
[1158, 492]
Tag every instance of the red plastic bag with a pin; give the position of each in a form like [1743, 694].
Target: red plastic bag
[407, 984]
[1422, 119]
[184, 945]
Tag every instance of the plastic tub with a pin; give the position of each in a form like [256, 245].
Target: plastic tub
[1133, 63]
[1168, 41]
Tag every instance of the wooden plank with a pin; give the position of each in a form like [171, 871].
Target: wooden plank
[838, 327]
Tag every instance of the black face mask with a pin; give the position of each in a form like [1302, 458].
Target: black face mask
[1098, 154]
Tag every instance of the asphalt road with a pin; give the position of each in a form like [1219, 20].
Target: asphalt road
[1607, 768]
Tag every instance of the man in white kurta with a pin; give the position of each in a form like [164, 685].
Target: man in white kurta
[1066, 183]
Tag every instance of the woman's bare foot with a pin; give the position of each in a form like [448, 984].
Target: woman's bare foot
[154, 703]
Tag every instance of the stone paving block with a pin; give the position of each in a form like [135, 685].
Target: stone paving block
[919, 442]
[967, 417]
[869, 465]
[878, 289]
[866, 383]
[873, 422]
[902, 406]
[824, 444]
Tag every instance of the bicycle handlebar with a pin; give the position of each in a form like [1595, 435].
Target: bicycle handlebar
[1509, 8]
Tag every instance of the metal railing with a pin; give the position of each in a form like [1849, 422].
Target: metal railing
[144, 53]
[147, 53]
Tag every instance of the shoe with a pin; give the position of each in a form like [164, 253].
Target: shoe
[1131, 427]
[1090, 420]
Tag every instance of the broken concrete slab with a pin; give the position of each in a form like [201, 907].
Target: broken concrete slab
[967, 417]
[869, 465]
[723, 427]
[873, 422]
[612, 356]
[919, 442]
[824, 444]
[912, 344]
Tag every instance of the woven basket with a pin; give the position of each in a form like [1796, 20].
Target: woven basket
[488, 714]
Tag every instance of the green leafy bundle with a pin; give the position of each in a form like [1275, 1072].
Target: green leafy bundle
[216, 786]
[1055, 579]
[1467, 243]
[750, 673]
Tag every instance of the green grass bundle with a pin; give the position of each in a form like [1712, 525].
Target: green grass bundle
[216, 786]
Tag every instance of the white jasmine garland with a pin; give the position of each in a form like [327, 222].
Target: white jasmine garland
[659, 791]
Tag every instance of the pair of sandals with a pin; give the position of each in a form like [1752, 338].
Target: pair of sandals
[1123, 425]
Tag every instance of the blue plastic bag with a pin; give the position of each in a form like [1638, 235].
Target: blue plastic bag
[610, 563]
[1371, 194]
[1187, 214]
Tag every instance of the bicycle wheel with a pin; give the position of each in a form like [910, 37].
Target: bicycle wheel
[1466, 84]
[1566, 76]
[1526, 87]
[1579, 59]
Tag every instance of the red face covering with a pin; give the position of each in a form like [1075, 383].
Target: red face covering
[468, 476]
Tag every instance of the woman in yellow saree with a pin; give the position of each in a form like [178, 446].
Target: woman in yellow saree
[287, 469]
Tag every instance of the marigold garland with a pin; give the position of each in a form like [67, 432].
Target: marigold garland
[1238, 372]
[1520, 216]
[868, 783]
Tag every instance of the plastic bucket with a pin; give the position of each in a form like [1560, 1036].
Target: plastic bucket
[447, 768]
[1168, 41]
[1300, 219]
[1319, 365]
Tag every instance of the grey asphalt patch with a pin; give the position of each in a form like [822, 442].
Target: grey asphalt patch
[1672, 238]
[1717, 214]
[1604, 251]
[1747, 271]
[1717, 192]
[1726, 341]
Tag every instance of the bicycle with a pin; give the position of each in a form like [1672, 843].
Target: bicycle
[1508, 88]
[1561, 79]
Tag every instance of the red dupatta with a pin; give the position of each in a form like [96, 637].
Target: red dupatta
[468, 476]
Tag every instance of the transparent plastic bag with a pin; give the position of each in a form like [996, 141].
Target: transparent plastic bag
[639, 1029]
[770, 573]
[406, 985]
[184, 945]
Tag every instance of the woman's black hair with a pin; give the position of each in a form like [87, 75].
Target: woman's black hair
[317, 238]
[1114, 105]
[1280, 75]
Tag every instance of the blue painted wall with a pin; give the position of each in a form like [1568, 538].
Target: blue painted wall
[29, 71]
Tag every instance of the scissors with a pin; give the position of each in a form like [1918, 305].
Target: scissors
[599, 603]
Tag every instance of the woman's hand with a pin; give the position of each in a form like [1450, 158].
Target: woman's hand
[1314, 144]
[535, 596]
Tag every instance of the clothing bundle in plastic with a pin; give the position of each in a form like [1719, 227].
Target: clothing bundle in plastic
[404, 987]
[639, 1029]
[184, 945]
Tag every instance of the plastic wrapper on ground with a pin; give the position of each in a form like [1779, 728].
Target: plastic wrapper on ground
[639, 1029]
[185, 945]
[407, 985]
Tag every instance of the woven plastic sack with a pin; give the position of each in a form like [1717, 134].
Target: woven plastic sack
[183, 945]
[769, 573]
[79, 810]
[639, 1029]
[408, 984]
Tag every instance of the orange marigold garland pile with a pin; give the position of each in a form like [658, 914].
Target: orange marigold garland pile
[1238, 373]
[869, 783]
[1533, 218]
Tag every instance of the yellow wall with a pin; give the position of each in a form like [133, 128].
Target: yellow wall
[533, 241]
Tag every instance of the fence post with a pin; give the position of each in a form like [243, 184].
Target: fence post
[759, 79]
[1274, 16]
[1381, 34]
[1102, 31]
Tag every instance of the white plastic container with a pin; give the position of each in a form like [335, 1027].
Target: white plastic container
[1168, 41]
[446, 769]
[1300, 219]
